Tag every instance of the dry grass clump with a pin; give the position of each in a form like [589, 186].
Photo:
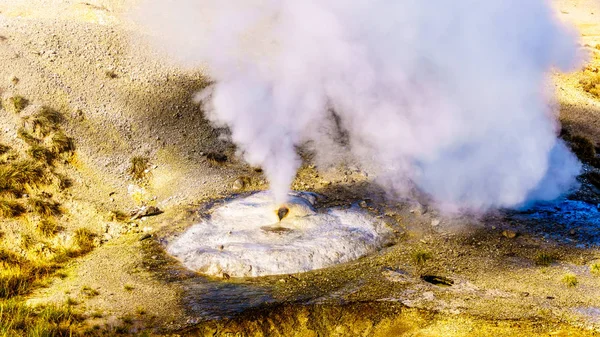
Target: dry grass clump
[570, 280]
[18, 103]
[10, 208]
[84, 239]
[60, 143]
[4, 149]
[17, 176]
[41, 154]
[44, 207]
[544, 259]
[27, 137]
[591, 81]
[89, 291]
[45, 120]
[595, 268]
[18, 319]
[138, 167]
[420, 257]
[47, 227]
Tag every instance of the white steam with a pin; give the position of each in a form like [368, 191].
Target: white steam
[448, 96]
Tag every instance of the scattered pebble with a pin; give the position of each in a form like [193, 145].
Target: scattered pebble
[509, 234]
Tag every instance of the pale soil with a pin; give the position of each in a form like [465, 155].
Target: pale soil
[61, 52]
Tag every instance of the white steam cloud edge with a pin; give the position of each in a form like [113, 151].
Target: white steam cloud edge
[450, 97]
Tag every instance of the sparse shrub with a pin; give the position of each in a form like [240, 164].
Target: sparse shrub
[10, 208]
[570, 280]
[544, 259]
[84, 238]
[18, 103]
[583, 148]
[138, 167]
[44, 207]
[595, 268]
[216, 158]
[41, 154]
[60, 143]
[420, 257]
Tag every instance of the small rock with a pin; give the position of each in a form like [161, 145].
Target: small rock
[509, 234]
[435, 222]
[238, 184]
[145, 211]
[524, 294]
[363, 204]
[145, 236]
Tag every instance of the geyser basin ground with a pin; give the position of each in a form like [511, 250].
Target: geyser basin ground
[245, 238]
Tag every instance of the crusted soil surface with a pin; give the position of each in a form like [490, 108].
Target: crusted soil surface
[503, 274]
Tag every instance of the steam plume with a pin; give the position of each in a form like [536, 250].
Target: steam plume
[448, 96]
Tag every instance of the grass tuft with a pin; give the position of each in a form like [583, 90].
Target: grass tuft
[47, 227]
[27, 137]
[595, 268]
[570, 280]
[84, 238]
[45, 208]
[128, 287]
[544, 259]
[18, 103]
[40, 154]
[591, 81]
[4, 149]
[138, 167]
[89, 291]
[420, 257]
[60, 143]
[10, 208]
[17, 176]
[18, 319]
[45, 120]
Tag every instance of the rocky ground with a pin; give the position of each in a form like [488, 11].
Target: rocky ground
[499, 275]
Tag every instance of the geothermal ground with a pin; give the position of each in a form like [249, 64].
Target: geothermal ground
[120, 161]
